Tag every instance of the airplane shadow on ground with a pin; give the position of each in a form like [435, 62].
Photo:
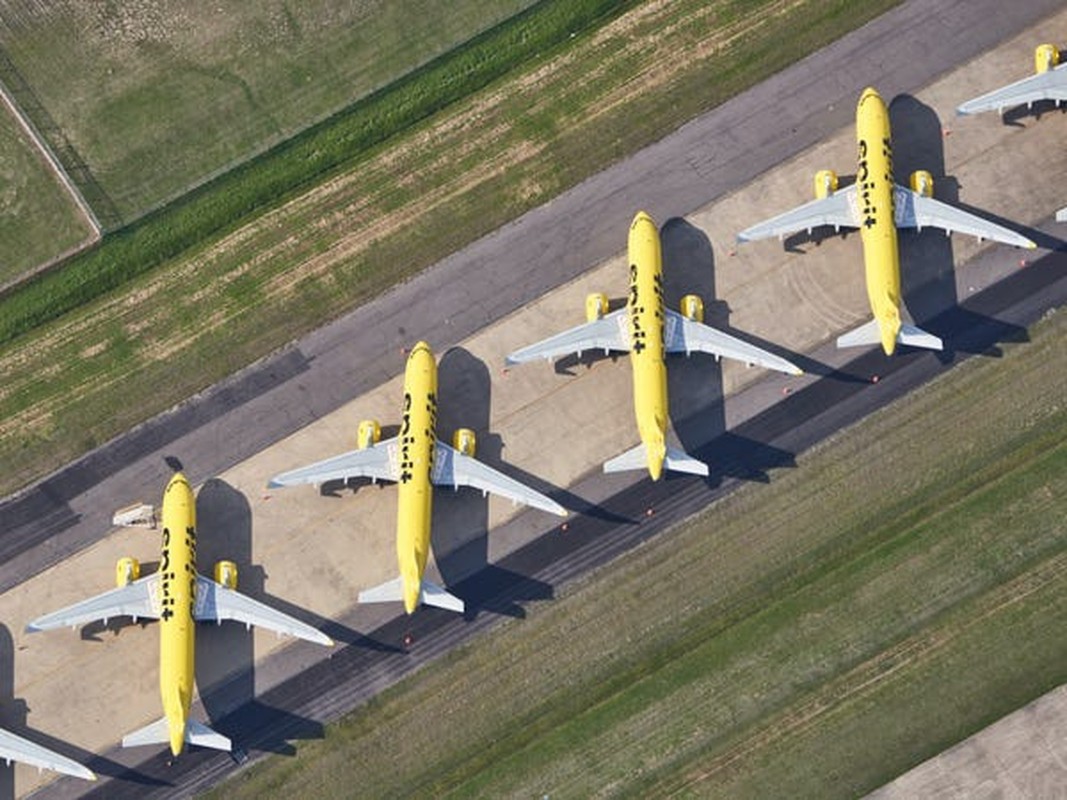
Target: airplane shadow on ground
[695, 384]
[927, 266]
[225, 653]
[460, 521]
[1015, 117]
[13, 718]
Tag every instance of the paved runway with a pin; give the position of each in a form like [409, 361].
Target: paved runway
[348, 358]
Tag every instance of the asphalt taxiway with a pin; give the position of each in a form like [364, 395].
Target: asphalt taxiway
[307, 540]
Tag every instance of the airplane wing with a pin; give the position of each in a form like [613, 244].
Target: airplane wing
[15, 748]
[683, 335]
[138, 600]
[838, 210]
[214, 603]
[1050, 85]
[915, 210]
[453, 468]
[607, 333]
[378, 461]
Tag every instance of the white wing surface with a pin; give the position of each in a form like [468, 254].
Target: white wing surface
[215, 603]
[378, 462]
[607, 333]
[683, 335]
[838, 210]
[1050, 85]
[15, 748]
[914, 210]
[453, 468]
[138, 600]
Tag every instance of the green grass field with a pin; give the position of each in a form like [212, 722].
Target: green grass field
[38, 219]
[901, 588]
[158, 97]
[163, 335]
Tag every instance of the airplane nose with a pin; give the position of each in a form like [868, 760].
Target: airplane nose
[642, 216]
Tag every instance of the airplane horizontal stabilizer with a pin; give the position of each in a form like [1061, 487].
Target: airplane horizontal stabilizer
[430, 594]
[866, 334]
[434, 595]
[680, 461]
[154, 733]
[158, 732]
[388, 592]
[202, 736]
[675, 460]
[631, 459]
[917, 337]
[869, 334]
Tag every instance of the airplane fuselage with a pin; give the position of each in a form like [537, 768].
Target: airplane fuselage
[647, 347]
[177, 596]
[415, 489]
[878, 230]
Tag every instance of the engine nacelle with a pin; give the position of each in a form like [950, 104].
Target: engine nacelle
[463, 440]
[825, 183]
[368, 434]
[692, 308]
[922, 182]
[127, 570]
[596, 306]
[1046, 56]
[226, 574]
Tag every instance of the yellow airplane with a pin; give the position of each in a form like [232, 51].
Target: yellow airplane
[178, 596]
[1049, 82]
[417, 461]
[649, 330]
[15, 748]
[878, 206]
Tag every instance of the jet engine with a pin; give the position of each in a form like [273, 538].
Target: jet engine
[463, 440]
[922, 182]
[1046, 56]
[226, 574]
[825, 183]
[596, 306]
[368, 434]
[127, 570]
[692, 308]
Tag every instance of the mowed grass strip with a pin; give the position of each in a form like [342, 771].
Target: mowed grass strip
[899, 589]
[162, 336]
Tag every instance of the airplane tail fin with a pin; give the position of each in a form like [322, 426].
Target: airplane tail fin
[675, 460]
[158, 732]
[870, 334]
[430, 594]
